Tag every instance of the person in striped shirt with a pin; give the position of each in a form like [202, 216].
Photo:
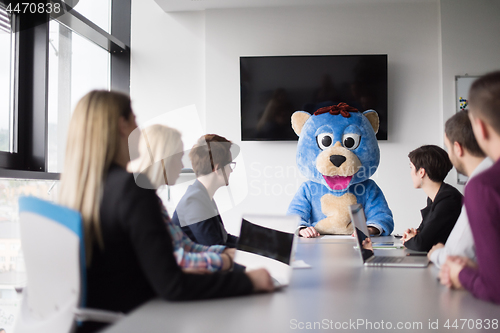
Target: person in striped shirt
[160, 163]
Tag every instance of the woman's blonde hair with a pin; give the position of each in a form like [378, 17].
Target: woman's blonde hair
[157, 146]
[93, 141]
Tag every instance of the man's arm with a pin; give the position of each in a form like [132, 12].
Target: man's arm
[437, 254]
[482, 204]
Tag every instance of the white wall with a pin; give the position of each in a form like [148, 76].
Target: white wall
[167, 61]
[185, 58]
[167, 69]
[470, 45]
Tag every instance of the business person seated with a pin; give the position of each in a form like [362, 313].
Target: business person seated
[160, 161]
[197, 213]
[429, 166]
[468, 158]
[128, 249]
[482, 199]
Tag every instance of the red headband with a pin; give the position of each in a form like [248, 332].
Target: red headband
[341, 108]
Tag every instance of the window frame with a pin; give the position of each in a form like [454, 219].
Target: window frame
[30, 75]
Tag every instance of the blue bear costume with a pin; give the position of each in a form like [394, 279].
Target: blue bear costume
[338, 152]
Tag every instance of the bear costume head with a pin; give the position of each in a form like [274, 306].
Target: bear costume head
[337, 146]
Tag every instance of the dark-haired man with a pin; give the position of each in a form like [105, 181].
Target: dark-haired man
[468, 158]
[482, 199]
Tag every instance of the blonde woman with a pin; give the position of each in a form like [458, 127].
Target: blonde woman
[160, 161]
[129, 252]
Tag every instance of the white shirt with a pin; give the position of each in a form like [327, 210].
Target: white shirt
[460, 242]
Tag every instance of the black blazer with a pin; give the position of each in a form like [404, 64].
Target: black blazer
[438, 219]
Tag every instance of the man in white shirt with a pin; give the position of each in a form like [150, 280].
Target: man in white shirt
[469, 160]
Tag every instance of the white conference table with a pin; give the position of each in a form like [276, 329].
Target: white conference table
[336, 293]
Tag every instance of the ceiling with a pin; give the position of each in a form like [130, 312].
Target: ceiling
[197, 5]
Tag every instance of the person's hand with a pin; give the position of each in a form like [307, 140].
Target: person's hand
[470, 263]
[367, 244]
[227, 257]
[227, 261]
[464, 261]
[309, 232]
[261, 280]
[193, 270]
[435, 247]
[444, 275]
[455, 268]
[230, 251]
[373, 231]
[448, 275]
[451, 269]
[408, 234]
[403, 238]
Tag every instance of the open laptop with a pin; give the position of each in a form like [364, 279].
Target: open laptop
[268, 242]
[369, 258]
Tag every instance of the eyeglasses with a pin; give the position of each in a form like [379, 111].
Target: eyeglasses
[232, 166]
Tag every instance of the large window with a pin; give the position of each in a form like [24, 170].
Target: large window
[5, 80]
[86, 48]
[76, 66]
[97, 11]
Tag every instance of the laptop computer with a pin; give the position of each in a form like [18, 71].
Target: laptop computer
[268, 242]
[368, 257]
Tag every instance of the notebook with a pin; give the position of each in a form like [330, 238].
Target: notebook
[368, 257]
[268, 242]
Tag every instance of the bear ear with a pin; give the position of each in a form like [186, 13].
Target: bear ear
[299, 118]
[372, 118]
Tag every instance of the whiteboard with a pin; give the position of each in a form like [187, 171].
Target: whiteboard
[462, 85]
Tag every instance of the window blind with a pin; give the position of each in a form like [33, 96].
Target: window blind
[4, 19]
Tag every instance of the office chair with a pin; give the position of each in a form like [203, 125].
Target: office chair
[54, 253]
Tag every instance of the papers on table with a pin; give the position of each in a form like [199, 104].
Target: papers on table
[336, 237]
[300, 264]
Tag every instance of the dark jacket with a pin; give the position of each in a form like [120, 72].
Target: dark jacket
[438, 219]
[199, 218]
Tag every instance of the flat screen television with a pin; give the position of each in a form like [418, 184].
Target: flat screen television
[274, 87]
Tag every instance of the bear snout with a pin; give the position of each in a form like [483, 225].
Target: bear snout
[337, 160]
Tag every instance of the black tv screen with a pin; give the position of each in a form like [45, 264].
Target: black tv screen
[272, 88]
